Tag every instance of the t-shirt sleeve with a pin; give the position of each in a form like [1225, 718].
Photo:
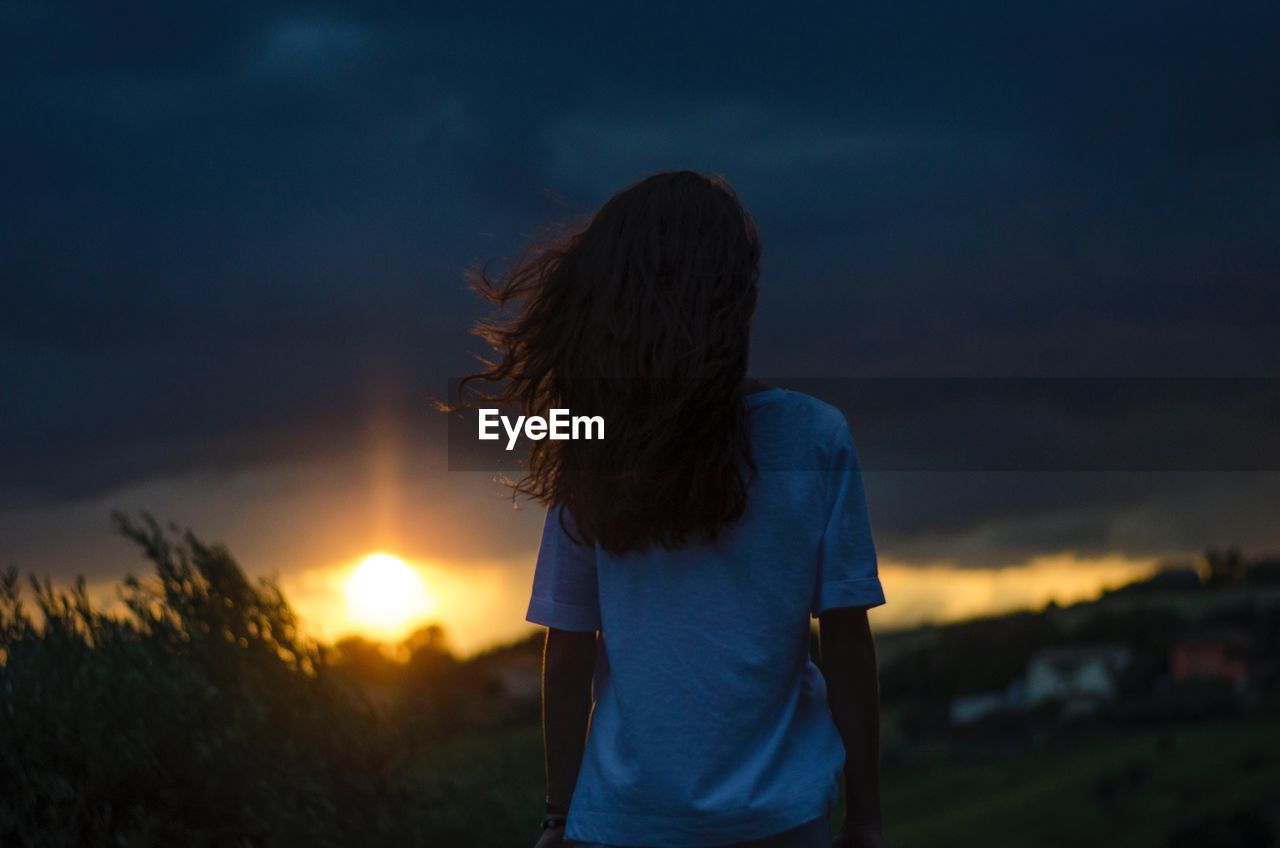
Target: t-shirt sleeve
[847, 571]
[565, 591]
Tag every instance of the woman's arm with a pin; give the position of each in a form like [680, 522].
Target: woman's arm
[568, 661]
[853, 693]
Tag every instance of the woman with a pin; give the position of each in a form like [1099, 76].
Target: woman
[684, 554]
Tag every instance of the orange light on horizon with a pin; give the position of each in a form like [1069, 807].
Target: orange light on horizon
[478, 603]
[941, 593]
[386, 596]
[482, 603]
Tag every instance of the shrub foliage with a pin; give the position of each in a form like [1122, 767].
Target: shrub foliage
[196, 715]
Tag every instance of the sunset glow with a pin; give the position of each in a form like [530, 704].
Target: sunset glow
[940, 593]
[385, 595]
[482, 603]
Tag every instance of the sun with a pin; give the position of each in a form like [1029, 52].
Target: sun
[386, 595]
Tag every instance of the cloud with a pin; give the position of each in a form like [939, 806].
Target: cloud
[224, 222]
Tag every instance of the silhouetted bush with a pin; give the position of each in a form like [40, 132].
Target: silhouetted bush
[199, 716]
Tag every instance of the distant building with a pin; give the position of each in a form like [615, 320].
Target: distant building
[970, 709]
[1221, 655]
[1079, 677]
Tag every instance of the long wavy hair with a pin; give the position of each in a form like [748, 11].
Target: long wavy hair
[641, 316]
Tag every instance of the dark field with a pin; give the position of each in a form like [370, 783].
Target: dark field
[1206, 784]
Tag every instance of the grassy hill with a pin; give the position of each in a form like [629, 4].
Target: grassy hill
[1111, 788]
[202, 716]
[1206, 784]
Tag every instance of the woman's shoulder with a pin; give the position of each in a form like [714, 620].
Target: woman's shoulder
[796, 431]
[800, 408]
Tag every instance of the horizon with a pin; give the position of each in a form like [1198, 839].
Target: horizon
[1036, 596]
[923, 596]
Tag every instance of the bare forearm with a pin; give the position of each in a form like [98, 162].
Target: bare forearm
[862, 765]
[567, 667]
[853, 692]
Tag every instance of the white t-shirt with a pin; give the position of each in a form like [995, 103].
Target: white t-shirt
[710, 723]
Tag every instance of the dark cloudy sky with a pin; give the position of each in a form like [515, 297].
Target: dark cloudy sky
[234, 233]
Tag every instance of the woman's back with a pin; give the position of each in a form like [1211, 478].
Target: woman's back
[710, 723]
